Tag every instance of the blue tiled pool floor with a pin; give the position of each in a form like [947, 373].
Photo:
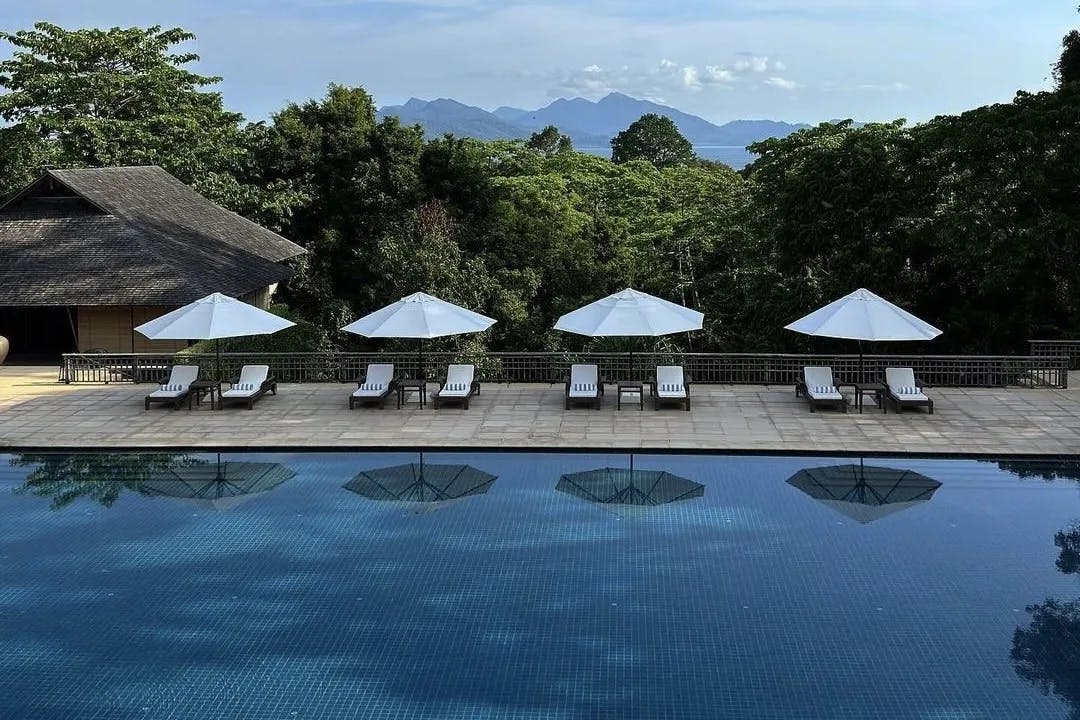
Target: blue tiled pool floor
[304, 599]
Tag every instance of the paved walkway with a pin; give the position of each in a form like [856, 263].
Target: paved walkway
[37, 411]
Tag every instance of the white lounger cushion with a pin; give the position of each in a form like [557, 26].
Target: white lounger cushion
[670, 382]
[459, 379]
[901, 382]
[376, 380]
[180, 378]
[820, 385]
[584, 381]
[251, 379]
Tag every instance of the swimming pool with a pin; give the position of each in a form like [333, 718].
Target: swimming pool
[736, 587]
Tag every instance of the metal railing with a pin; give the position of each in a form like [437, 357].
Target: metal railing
[1044, 371]
[1069, 349]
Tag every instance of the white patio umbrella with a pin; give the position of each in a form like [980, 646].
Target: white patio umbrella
[213, 317]
[420, 316]
[630, 313]
[860, 316]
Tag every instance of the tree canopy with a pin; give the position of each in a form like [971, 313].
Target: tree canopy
[653, 138]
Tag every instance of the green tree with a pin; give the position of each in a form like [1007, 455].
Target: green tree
[654, 138]
[117, 97]
[359, 177]
[550, 141]
[1067, 68]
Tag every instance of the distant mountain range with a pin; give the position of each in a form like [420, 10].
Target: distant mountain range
[590, 124]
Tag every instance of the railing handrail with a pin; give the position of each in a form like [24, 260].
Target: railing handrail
[1048, 370]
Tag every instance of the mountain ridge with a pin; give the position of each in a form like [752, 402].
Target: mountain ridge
[589, 123]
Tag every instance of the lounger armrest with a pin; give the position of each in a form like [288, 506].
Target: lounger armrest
[920, 383]
[161, 380]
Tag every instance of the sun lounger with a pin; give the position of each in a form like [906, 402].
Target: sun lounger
[377, 385]
[253, 383]
[671, 386]
[584, 386]
[458, 386]
[818, 388]
[905, 391]
[176, 389]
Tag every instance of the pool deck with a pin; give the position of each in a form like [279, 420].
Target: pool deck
[36, 411]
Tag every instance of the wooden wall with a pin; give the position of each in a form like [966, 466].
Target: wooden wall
[110, 329]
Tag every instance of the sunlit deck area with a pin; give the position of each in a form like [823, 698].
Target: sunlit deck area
[36, 411]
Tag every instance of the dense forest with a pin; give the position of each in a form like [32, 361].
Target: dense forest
[970, 221]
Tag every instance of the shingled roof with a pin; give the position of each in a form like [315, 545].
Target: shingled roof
[129, 236]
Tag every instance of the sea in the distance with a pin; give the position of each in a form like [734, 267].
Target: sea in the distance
[735, 156]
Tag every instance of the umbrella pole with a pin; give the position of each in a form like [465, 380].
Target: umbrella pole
[631, 378]
[862, 372]
[217, 352]
[420, 361]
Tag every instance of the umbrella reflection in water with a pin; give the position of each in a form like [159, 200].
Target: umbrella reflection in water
[627, 490]
[217, 486]
[429, 483]
[864, 493]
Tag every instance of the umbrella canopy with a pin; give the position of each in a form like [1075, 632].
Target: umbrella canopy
[626, 486]
[630, 313]
[864, 493]
[420, 316]
[862, 315]
[421, 483]
[213, 317]
[217, 486]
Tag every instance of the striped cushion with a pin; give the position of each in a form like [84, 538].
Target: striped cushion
[371, 386]
[907, 390]
[174, 387]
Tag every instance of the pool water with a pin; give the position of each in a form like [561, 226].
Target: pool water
[745, 596]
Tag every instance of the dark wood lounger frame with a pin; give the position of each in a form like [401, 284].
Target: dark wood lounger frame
[900, 402]
[438, 401]
[379, 400]
[269, 385]
[801, 391]
[176, 402]
[584, 400]
[658, 401]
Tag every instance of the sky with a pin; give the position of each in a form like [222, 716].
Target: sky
[792, 60]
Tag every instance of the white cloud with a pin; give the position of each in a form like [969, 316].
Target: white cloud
[594, 68]
[883, 87]
[717, 74]
[690, 77]
[753, 63]
[779, 66]
[782, 83]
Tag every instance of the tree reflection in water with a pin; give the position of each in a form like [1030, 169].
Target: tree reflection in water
[1068, 560]
[1047, 652]
[66, 477]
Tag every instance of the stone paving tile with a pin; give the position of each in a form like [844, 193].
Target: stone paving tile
[36, 410]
